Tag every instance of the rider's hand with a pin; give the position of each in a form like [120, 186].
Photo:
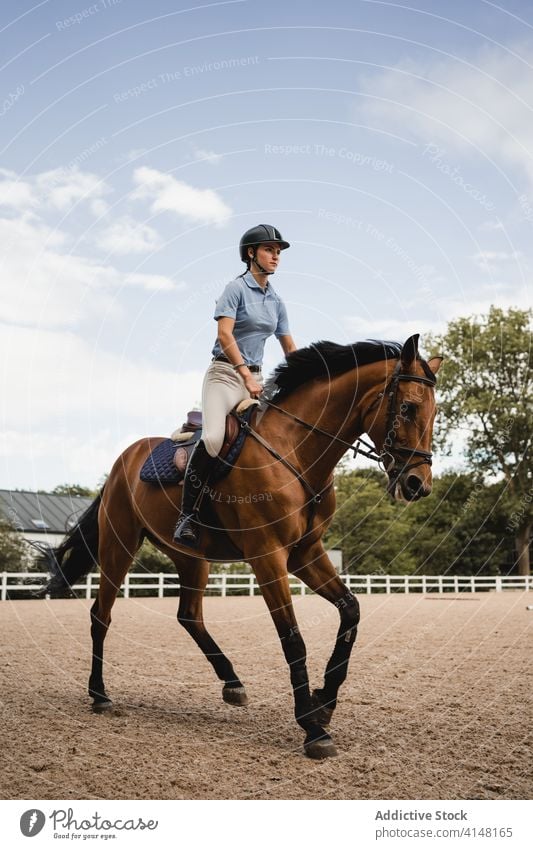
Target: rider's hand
[253, 387]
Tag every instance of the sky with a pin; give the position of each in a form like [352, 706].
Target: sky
[389, 142]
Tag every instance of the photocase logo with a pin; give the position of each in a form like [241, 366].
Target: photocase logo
[32, 822]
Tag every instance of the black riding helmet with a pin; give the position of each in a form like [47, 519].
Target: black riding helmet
[256, 236]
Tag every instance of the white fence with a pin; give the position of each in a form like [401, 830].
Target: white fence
[225, 584]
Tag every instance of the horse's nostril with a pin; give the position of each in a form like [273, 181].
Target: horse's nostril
[415, 485]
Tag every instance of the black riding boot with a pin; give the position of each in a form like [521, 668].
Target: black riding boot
[196, 477]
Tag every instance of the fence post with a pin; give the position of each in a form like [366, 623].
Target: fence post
[498, 583]
[387, 584]
[368, 585]
[224, 591]
[424, 584]
[406, 584]
[4, 586]
[161, 586]
[440, 584]
[89, 585]
[472, 584]
[251, 590]
[456, 583]
[127, 586]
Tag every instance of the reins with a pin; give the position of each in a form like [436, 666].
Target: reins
[390, 390]
[371, 453]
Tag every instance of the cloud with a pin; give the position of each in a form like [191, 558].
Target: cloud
[361, 327]
[152, 282]
[170, 195]
[127, 236]
[207, 156]
[58, 189]
[63, 187]
[491, 225]
[131, 155]
[15, 193]
[47, 286]
[431, 309]
[99, 207]
[479, 106]
[69, 408]
[56, 375]
[492, 261]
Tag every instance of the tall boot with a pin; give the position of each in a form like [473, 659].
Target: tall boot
[197, 474]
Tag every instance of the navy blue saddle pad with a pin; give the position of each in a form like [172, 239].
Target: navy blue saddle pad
[159, 468]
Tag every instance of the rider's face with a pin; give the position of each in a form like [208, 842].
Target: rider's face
[268, 255]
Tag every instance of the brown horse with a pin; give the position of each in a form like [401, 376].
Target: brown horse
[318, 402]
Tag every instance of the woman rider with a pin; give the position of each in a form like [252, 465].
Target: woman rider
[248, 312]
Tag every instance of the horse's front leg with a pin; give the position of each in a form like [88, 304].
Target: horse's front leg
[313, 567]
[273, 578]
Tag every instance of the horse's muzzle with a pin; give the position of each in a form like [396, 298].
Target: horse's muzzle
[408, 487]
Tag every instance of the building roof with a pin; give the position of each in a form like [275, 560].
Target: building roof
[40, 512]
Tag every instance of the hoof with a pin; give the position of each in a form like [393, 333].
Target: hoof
[320, 749]
[102, 707]
[323, 714]
[235, 696]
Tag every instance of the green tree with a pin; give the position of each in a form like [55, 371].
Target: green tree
[74, 489]
[238, 568]
[14, 555]
[485, 388]
[368, 526]
[460, 529]
[150, 559]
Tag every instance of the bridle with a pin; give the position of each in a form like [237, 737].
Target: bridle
[393, 471]
[390, 448]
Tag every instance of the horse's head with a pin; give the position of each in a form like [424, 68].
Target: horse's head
[400, 422]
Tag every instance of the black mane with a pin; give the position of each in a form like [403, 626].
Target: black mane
[325, 359]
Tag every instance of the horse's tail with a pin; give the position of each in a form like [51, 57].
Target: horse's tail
[77, 554]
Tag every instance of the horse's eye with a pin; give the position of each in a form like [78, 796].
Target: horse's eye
[409, 410]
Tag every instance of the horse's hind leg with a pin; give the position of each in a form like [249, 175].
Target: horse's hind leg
[194, 574]
[116, 553]
[313, 567]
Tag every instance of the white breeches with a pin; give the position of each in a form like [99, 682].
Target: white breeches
[222, 389]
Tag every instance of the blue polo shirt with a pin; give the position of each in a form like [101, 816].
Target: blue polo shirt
[258, 314]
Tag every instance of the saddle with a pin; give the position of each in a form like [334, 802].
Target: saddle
[168, 460]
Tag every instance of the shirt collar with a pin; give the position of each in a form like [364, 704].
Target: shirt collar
[250, 280]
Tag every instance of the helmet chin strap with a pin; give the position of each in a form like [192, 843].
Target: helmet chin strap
[260, 267]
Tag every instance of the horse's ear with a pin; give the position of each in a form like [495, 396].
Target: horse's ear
[410, 351]
[435, 363]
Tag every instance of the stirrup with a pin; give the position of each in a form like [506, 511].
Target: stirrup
[185, 523]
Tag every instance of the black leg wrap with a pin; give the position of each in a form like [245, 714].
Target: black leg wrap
[337, 667]
[323, 710]
[96, 682]
[221, 664]
[294, 650]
